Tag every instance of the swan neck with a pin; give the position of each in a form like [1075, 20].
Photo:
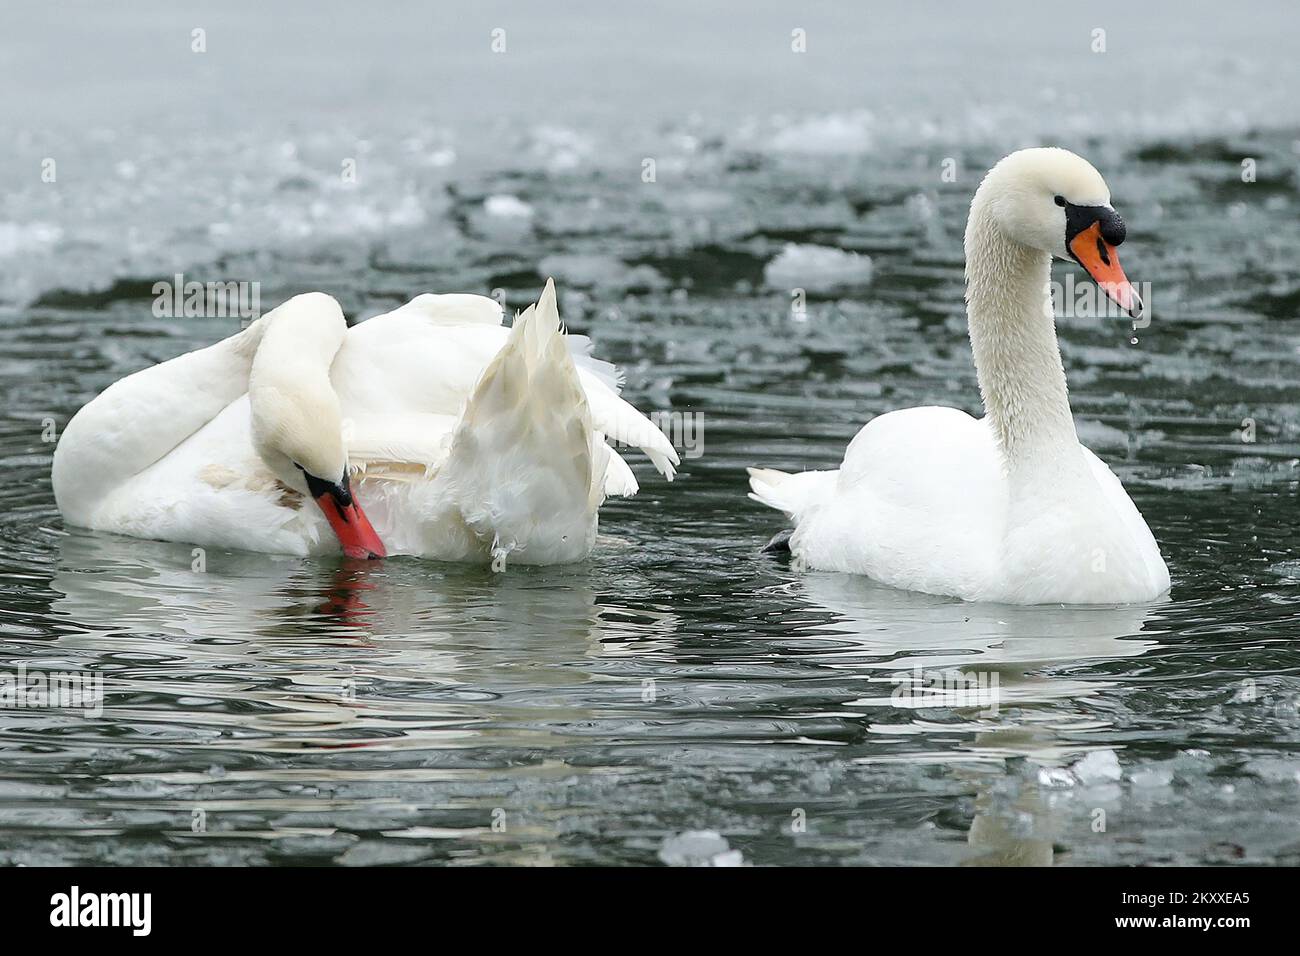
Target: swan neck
[296, 419]
[1013, 339]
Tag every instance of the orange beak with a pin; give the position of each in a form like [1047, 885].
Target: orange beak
[350, 525]
[1101, 259]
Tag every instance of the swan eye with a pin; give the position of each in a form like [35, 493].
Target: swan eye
[1060, 200]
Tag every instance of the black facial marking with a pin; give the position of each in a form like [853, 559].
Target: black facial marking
[341, 492]
[1079, 218]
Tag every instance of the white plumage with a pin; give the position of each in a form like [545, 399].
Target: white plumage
[463, 439]
[1008, 508]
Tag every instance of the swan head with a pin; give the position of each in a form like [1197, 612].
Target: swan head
[1054, 201]
[297, 423]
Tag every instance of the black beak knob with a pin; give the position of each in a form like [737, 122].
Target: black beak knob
[1112, 227]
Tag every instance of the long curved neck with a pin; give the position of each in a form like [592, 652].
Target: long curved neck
[1013, 338]
[295, 415]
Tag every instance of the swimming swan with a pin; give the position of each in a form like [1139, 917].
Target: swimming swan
[1010, 507]
[464, 440]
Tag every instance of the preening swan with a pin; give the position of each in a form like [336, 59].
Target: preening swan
[1010, 507]
[431, 430]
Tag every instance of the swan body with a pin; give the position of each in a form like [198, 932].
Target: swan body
[431, 430]
[1010, 507]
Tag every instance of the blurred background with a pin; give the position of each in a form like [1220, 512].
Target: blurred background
[680, 169]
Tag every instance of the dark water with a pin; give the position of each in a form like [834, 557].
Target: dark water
[276, 710]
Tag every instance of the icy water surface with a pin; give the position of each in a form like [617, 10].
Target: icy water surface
[276, 710]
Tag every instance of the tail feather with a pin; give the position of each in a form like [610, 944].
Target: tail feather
[607, 373]
[526, 468]
[623, 423]
[611, 414]
[786, 492]
[619, 480]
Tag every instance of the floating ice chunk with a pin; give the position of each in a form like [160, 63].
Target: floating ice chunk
[1289, 571]
[374, 853]
[1154, 777]
[600, 271]
[817, 268]
[1095, 434]
[1055, 777]
[442, 157]
[845, 134]
[561, 149]
[1100, 766]
[18, 237]
[699, 848]
[507, 207]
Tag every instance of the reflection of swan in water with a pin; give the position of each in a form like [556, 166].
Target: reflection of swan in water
[900, 640]
[894, 635]
[386, 655]
[1001, 842]
[336, 688]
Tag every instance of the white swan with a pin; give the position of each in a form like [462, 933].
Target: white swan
[1008, 508]
[463, 439]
